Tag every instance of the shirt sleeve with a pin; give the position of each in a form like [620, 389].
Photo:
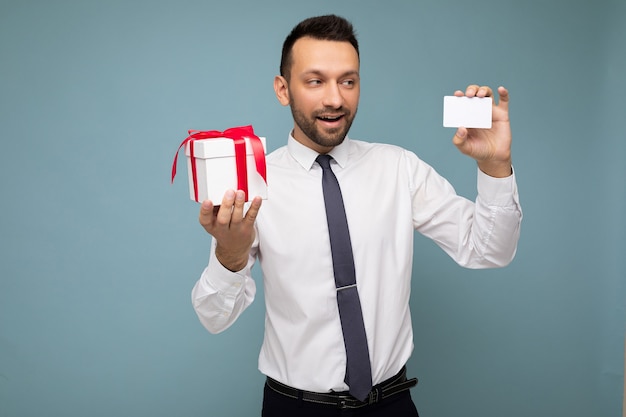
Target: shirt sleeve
[220, 295]
[480, 234]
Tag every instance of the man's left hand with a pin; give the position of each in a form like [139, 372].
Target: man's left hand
[491, 148]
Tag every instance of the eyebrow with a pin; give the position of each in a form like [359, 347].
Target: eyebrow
[322, 74]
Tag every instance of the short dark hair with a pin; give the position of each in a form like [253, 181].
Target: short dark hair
[327, 28]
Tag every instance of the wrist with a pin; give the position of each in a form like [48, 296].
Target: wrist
[232, 261]
[496, 169]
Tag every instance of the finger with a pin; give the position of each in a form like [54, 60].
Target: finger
[253, 211]
[240, 199]
[224, 214]
[206, 214]
[471, 90]
[503, 101]
[484, 91]
[460, 136]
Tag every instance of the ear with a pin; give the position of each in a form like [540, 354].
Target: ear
[282, 90]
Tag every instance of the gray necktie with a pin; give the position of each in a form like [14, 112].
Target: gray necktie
[358, 370]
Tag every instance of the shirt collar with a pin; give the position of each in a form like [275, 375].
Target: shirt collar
[306, 156]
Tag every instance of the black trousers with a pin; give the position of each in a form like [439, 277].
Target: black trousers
[279, 405]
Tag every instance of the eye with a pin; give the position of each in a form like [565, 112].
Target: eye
[348, 83]
[314, 82]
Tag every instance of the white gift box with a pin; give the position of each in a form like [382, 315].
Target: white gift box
[216, 169]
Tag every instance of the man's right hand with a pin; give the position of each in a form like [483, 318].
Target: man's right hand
[232, 230]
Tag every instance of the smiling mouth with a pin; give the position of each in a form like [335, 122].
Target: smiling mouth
[330, 118]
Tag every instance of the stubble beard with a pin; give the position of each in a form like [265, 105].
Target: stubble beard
[329, 137]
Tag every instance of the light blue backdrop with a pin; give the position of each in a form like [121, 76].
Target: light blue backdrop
[99, 251]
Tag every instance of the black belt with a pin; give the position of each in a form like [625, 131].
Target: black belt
[378, 393]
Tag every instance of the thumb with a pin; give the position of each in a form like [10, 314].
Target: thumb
[206, 213]
[206, 207]
[460, 136]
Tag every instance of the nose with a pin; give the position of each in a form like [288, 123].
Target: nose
[332, 96]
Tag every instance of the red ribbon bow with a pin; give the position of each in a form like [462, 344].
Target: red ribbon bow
[238, 135]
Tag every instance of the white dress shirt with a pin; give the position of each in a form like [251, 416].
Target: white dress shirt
[388, 193]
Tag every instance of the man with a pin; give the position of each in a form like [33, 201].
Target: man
[388, 193]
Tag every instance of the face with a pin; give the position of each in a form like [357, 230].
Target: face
[323, 91]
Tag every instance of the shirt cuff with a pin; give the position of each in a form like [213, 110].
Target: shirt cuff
[497, 191]
[222, 279]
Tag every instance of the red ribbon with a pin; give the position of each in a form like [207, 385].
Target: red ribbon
[238, 135]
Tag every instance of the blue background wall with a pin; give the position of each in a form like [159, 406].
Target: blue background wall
[99, 251]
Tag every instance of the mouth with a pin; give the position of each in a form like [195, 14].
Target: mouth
[331, 119]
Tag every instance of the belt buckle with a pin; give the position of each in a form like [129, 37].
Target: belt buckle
[373, 396]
